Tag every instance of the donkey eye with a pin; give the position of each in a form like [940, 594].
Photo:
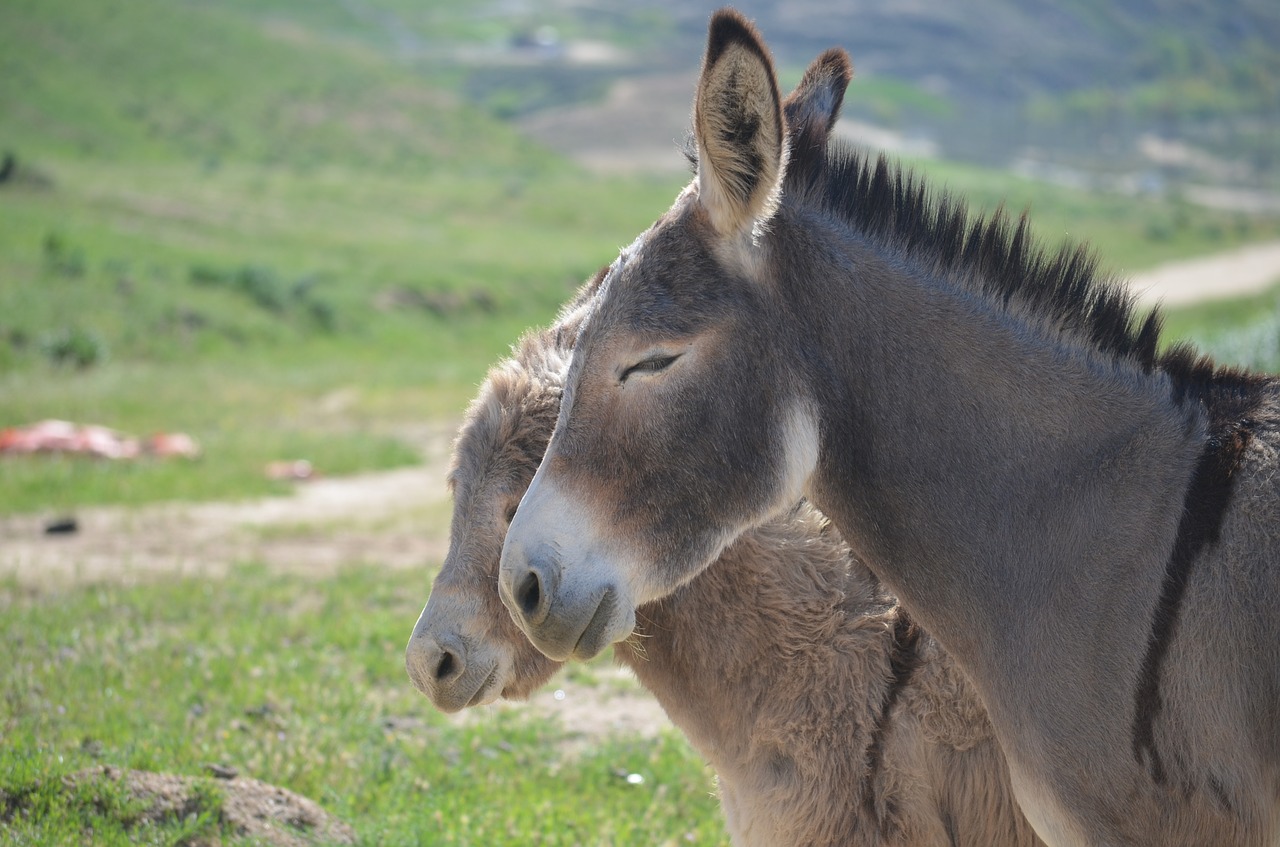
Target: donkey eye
[511, 512]
[649, 366]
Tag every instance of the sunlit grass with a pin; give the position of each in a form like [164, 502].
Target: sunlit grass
[301, 683]
[1239, 330]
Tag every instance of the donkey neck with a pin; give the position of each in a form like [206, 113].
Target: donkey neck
[981, 462]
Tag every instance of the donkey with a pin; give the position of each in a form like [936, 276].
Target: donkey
[1086, 522]
[830, 718]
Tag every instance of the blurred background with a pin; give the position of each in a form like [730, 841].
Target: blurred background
[256, 256]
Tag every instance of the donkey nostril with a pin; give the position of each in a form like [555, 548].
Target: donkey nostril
[446, 666]
[529, 594]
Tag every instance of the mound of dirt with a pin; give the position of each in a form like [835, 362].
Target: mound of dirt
[249, 808]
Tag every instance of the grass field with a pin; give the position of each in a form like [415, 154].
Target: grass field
[216, 234]
[298, 680]
[1240, 330]
[301, 683]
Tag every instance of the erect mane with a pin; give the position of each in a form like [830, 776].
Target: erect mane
[992, 256]
[1063, 290]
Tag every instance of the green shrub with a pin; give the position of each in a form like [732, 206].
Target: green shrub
[62, 258]
[75, 346]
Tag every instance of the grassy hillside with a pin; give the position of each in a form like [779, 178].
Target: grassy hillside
[279, 228]
[1078, 80]
[200, 82]
[218, 221]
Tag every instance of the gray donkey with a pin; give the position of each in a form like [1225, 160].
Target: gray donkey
[1087, 523]
[830, 719]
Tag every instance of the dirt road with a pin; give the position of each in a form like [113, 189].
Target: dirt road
[395, 518]
[1243, 271]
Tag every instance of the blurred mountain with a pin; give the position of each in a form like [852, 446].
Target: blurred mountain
[1008, 49]
[1075, 80]
[1157, 90]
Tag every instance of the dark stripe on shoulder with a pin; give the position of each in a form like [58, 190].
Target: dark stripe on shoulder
[904, 658]
[1220, 795]
[1230, 399]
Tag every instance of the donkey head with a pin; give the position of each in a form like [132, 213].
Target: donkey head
[680, 426]
[465, 650]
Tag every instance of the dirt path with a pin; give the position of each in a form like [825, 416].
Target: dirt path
[396, 518]
[1242, 271]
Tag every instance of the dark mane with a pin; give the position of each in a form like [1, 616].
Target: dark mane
[1001, 261]
[993, 255]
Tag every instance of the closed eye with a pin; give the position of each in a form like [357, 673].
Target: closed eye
[649, 366]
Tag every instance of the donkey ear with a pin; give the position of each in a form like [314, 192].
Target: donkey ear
[817, 99]
[738, 125]
[811, 112]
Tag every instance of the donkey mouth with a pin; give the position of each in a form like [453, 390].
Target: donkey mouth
[481, 693]
[595, 637]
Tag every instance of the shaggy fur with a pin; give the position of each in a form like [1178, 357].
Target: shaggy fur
[830, 719]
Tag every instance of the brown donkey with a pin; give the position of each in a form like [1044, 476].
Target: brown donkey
[829, 718]
[1086, 523]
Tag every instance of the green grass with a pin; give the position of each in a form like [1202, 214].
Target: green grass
[216, 233]
[210, 83]
[301, 683]
[1240, 330]
[235, 319]
[101, 811]
[217, 239]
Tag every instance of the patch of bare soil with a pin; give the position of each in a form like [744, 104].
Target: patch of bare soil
[248, 808]
[638, 128]
[394, 518]
[613, 704]
[1243, 271]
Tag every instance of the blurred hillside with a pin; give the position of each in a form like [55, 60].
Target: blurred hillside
[1149, 94]
[251, 224]
[301, 227]
[183, 176]
[271, 83]
[1159, 92]
[1079, 80]
[186, 177]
